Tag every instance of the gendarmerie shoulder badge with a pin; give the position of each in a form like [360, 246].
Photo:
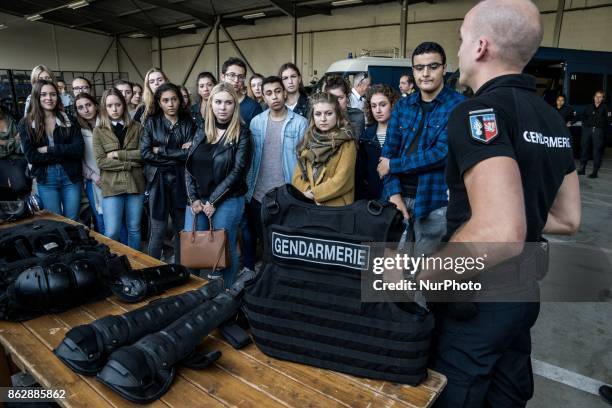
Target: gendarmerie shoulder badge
[483, 125]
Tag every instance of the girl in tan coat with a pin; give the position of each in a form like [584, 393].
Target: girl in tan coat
[116, 144]
[325, 171]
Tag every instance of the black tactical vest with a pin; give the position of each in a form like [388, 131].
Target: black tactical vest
[306, 303]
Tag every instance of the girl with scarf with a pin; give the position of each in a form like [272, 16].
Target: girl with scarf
[325, 171]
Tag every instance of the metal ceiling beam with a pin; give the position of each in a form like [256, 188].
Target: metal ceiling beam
[104, 56]
[197, 54]
[59, 23]
[95, 13]
[231, 40]
[294, 28]
[558, 23]
[129, 59]
[288, 9]
[205, 18]
[305, 11]
[403, 28]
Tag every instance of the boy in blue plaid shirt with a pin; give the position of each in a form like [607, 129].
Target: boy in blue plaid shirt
[414, 155]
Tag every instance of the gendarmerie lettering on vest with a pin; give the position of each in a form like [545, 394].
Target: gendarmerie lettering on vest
[320, 251]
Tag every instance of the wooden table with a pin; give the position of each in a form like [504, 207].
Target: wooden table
[245, 378]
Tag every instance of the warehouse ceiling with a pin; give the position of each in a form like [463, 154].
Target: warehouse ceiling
[164, 18]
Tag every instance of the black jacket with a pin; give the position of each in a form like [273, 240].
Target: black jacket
[596, 117]
[68, 150]
[302, 106]
[196, 115]
[357, 120]
[158, 132]
[231, 163]
[368, 184]
[567, 113]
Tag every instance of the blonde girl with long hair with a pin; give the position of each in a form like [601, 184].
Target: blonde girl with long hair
[216, 169]
[325, 172]
[39, 73]
[153, 79]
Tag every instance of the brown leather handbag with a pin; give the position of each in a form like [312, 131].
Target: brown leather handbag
[204, 249]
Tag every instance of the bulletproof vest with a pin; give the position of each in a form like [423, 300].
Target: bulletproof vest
[306, 303]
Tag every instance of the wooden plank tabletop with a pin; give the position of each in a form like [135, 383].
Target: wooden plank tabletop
[245, 378]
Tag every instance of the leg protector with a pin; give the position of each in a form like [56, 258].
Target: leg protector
[144, 371]
[135, 285]
[86, 348]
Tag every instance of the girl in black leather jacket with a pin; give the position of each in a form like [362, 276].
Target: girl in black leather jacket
[216, 169]
[167, 136]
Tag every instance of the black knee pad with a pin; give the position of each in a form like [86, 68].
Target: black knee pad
[144, 371]
[86, 348]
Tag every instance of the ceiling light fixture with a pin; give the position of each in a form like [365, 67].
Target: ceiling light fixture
[34, 17]
[254, 15]
[137, 35]
[345, 2]
[3, 26]
[187, 26]
[77, 4]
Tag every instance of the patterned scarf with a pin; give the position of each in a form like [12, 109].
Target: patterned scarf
[320, 148]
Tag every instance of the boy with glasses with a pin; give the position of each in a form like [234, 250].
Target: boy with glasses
[414, 155]
[233, 72]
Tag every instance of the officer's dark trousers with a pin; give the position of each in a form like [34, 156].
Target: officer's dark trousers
[592, 141]
[486, 358]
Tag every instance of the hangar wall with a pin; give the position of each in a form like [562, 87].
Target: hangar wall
[323, 39]
[25, 44]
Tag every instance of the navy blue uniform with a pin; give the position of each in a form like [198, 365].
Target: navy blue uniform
[486, 356]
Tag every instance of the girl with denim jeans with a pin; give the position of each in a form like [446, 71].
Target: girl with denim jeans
[116, 142]
[86, 108]
[216, 169]
[53, 146]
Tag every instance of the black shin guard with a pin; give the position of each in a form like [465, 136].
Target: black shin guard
[135, 285]
[144, 371]
[86, 348]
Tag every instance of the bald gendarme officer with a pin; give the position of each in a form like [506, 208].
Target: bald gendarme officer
[511, 178]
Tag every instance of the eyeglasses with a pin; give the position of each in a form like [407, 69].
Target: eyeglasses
[432, 67]
[235, 77]
[80, 88]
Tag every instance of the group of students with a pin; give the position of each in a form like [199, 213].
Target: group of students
[212, 161]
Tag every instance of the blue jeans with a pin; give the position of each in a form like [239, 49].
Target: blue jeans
[114, 209]
[98, 218]
[227, 216]
[428, 231]
[249, 241]
[59, 194]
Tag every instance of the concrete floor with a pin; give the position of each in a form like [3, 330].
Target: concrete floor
[578, 336]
